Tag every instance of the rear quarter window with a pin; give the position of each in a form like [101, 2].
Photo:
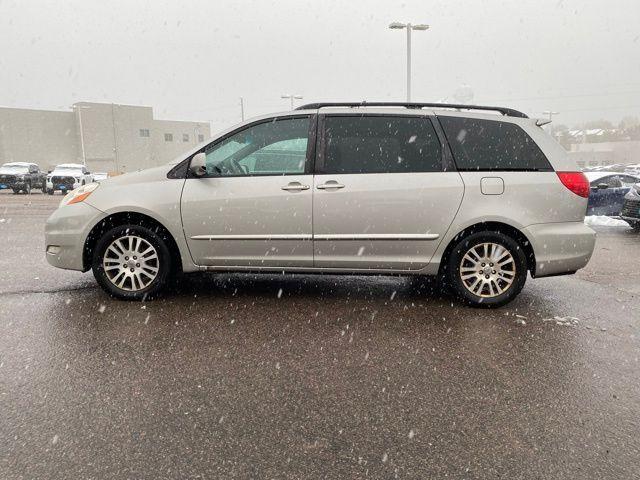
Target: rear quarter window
[492, 145]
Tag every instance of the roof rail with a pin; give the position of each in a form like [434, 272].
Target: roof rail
[509, 112]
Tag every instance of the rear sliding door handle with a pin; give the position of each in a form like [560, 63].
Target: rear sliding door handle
[295, 187]
[330, 184]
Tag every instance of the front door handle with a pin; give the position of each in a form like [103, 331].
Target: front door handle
[295, 187]
[330, 184]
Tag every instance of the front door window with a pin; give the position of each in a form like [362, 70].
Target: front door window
[275, 147]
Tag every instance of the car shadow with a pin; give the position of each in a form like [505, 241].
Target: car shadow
[327, 287]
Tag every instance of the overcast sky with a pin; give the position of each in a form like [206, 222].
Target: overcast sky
[192, 60]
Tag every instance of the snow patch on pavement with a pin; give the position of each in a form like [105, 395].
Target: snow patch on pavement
[604, 221]
[563, 321]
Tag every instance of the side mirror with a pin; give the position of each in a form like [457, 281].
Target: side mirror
[198, 165]
[602, 186]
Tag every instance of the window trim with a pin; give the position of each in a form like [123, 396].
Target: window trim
[176, 172]
[463, 169]
[447, 164]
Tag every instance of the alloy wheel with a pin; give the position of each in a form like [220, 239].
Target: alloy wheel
[487, 270]
[131, 263]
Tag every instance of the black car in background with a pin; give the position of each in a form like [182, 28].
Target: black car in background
[608, 190]
[22, 177]
[631, 208]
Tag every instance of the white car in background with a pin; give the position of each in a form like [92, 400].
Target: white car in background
[68, 176]
[100, 176]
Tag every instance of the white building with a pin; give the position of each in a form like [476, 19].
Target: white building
[107, 137]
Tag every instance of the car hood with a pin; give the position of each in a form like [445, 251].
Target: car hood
[11, 171]
[66, 173]
[141, 176]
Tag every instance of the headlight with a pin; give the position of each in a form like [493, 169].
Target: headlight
[79, 194]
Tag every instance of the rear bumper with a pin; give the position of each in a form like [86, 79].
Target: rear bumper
[65, 233]
[560, 248]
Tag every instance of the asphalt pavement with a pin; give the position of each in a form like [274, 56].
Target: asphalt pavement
[304, 377]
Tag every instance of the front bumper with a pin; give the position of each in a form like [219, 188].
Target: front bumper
[631, 209]
[13, 184]
[62, 187]
[560, 247]
[65, 232]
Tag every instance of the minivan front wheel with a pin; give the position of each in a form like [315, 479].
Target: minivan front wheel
[131, 262]
[487, 269]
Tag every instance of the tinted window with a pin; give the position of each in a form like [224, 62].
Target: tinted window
[375, 144]
[492, 145]
[628, 181]
[612, 181]
[278, 147]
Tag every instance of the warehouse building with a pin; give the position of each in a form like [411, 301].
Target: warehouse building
[107, 137]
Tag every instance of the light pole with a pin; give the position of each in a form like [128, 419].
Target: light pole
[409, 27]
[291, 96]
[115, 137]
[550, 113]
[80, 108]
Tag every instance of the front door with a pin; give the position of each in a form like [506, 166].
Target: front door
[382, 197]
[253, 207]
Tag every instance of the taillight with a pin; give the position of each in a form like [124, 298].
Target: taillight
[576, 182]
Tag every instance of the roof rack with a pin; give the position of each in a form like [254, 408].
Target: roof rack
[509, 112]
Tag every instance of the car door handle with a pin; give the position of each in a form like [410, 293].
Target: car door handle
[295, 187]
[330, 184]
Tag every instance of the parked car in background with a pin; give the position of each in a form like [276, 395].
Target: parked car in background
[22, 177]
[607, 192]
[68, 176]
[631, 208]
[100, 176]
[478, 199]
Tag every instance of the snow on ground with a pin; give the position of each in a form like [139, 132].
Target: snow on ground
[604, 221]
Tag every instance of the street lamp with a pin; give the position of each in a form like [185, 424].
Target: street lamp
[409, 27]
[80, 108]
[550, 113]
[291, 96]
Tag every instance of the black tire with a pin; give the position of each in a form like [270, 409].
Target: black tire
[50, 191]
[157, 239]
[16, 191]
[485, 298]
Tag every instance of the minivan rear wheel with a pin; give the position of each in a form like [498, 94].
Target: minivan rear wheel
[487, 269]
[132, 262]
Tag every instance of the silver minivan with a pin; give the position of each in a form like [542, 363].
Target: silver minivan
[479, 196]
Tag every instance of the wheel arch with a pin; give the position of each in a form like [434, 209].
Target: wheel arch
[124, 218]
[492, 226]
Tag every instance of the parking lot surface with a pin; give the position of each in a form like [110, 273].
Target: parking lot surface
[296, 376]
